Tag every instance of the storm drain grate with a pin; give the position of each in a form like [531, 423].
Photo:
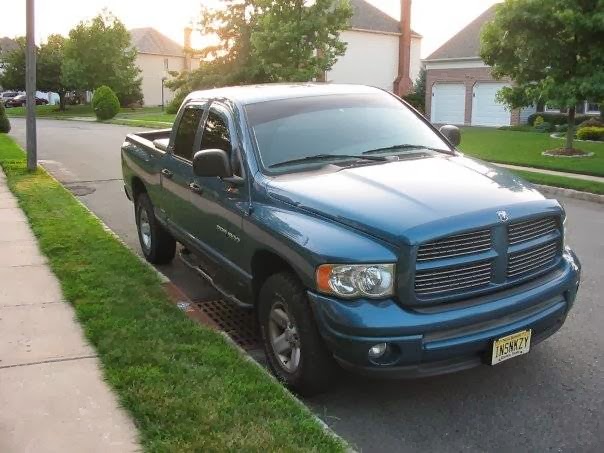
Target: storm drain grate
[239, 324]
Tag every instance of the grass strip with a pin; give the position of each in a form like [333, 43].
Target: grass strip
[186, 388]
[561, 181]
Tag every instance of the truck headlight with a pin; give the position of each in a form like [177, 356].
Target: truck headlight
[356, 280]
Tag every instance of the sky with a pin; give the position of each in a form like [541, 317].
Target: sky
[435, 20]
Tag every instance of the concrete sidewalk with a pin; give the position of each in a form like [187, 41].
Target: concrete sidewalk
[52, 394]
[599, 179]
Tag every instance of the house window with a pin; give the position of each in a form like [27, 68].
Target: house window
[592, 107]
[166, 64]
[552, 108]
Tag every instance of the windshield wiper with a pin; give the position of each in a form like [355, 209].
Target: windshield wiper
[327, 157]
[404, 147]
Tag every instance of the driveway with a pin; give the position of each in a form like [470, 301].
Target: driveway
[550, 399]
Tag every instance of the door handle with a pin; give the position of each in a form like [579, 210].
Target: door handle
[167, 173]
[196, 188]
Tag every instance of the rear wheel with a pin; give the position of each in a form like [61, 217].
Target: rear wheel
[157, 244]
[294, 348]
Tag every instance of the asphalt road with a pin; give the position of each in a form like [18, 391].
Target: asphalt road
[549, 400]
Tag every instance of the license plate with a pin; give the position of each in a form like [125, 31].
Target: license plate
[511, 346]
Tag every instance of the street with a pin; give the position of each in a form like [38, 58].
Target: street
[550, 399]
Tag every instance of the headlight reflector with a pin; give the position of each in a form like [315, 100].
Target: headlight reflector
[356, 280]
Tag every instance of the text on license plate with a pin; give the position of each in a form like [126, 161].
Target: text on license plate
[511, 346]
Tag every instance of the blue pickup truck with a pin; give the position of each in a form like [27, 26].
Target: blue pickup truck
[356, 231]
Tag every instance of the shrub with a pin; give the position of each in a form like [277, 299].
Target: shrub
[175, 103]
[591, 133]
[4, 122]
[592, 122]
[105, 103]
[556, 118]
[538, 121]
[545, 126]
[562, 128]
[517, 128]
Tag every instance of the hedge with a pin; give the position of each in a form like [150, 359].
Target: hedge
[557, 118]
[591, 133]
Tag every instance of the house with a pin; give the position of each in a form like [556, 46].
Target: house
[461, 90]
[157, 55]
[375, 41]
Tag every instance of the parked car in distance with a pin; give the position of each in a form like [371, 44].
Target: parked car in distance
[357, 232]
[21, 100]
[7, 95]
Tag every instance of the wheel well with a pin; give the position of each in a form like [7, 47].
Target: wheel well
[265, 264]
[138, 187]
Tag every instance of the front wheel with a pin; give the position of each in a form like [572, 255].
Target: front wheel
[294, 348]
[157, 244]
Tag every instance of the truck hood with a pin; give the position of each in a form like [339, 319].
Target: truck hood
[390, 200]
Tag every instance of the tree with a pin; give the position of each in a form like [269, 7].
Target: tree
[49, 73]
[551, 49]
[4, 121]
[13, 63]
[296, 42]
[417, 97]
[100, 52]
[266, 40]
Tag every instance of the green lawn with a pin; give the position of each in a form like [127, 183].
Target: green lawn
[525, 148]
[186, 388]
[146, 116]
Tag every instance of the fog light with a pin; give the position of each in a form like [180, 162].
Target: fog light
[378, 350]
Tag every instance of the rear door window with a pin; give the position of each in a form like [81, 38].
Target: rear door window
[187, 129]
[216, 133]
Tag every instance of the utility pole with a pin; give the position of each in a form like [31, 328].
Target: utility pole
[30, 88]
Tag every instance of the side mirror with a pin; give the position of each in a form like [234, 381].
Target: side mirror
[212, 162]
[451, 133]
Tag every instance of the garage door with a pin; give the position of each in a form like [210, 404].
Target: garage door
[448, 103]
[486, 111]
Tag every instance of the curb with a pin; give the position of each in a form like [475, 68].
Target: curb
[167, 282]
[571, 193]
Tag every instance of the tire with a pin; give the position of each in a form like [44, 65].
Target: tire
[157, 244]
[315, 370]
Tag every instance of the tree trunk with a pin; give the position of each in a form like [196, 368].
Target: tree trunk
[62, 101]
[570, 134]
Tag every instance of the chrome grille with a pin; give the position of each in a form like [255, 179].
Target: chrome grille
[531, 229]
[533, 260]
[438, 281]
[457, 245]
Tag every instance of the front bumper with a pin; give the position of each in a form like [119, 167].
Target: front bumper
[446, 338]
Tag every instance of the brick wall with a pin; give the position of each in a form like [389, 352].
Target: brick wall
[468, 76]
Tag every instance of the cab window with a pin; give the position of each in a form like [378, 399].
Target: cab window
[187, 128]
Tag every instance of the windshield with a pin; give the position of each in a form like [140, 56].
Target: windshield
[341, 125]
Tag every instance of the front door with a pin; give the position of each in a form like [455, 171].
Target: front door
[177, 169]
[221, 205]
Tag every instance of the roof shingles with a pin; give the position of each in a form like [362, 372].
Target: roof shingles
[149, 40]
[466, 43]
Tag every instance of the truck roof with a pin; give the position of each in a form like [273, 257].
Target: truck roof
[252, 94]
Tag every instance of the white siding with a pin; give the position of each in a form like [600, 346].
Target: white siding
[370, 59]
[525, 113]
[153, 69]
[416, 61]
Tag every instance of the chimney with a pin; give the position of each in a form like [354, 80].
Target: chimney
[403, 83]
[187, 48]
[187, 41]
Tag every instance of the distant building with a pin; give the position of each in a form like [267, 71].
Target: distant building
[372, 56]
[460, 88]
[157, 56]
